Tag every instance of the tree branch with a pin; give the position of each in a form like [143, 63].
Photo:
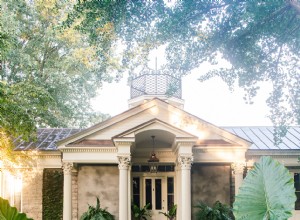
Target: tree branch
[295, 5]
[198, 13]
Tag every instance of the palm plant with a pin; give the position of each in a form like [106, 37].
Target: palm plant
[96, 213]
[140, 213]
[171, 213]
[218, 211]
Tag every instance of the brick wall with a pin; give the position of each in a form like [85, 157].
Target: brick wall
[32, 194]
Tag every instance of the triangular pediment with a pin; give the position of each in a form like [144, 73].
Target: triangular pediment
[154, 124]
[157, 115]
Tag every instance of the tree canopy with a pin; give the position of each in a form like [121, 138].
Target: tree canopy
[56, 53]
[260, 40]
[48, 74]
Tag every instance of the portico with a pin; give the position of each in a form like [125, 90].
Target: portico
[124, 142]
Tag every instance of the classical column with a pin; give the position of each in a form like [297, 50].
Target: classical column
[238, 170]
[178, 190]
[129, 191]
[67, 203]
[185, 163]
[124, 163]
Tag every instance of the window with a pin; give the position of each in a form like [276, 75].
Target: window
[148, 189]
[170, 186]
[136, 191]
[146, 168]
[11, 188]
[158, 194]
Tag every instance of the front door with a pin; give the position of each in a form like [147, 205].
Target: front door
[154, 193]
[157, 191]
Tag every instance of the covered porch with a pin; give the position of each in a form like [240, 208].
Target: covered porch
[119, 172]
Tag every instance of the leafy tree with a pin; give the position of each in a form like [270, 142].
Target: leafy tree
[47, 76]
[267, 192]
[260, 40]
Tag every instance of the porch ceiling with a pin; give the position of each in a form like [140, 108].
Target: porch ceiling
[163, 139]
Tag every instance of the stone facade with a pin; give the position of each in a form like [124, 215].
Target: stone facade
[210, 183]
[32, 198]
[98, 181]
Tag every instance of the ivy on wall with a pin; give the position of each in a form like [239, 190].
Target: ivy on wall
[53, 194]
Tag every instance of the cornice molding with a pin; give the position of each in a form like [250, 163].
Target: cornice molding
[273, 156]
[48, 156]
[123, 143]
[88, 150]
[129, 141]
[186, 143]
[272, 153]
[217, 148]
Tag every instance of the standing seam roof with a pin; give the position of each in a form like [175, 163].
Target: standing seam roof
[261, 137]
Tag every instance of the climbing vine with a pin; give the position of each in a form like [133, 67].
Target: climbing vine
[52, 194]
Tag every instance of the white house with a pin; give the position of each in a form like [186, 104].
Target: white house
[192, 160]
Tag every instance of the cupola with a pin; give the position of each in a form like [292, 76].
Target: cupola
[149, 84]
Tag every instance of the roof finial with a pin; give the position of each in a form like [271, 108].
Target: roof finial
[156, 65]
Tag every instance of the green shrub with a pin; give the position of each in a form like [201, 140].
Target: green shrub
[171, 213]
[140, 213]
[97, 213]
[218, 211]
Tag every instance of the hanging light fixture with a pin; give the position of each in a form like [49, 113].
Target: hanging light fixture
[153, 160]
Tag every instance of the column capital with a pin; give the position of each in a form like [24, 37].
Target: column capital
[185, 161]
[67, 167]
[238, 167]
[124, 161]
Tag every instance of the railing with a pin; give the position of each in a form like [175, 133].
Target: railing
[155, 83]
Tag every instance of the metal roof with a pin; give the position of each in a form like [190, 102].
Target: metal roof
[261, 137]
[46, 139]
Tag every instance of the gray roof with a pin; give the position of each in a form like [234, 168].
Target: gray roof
[261, 137]
[46, 139]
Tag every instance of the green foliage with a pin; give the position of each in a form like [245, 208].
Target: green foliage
[23, 105]
[267, 192]
[140, 213]
[10, 213]
[218, 211]
[48, 76]
[171, 213]
[96, 213]
[52, 194]
[3, 44]
[259, 39]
